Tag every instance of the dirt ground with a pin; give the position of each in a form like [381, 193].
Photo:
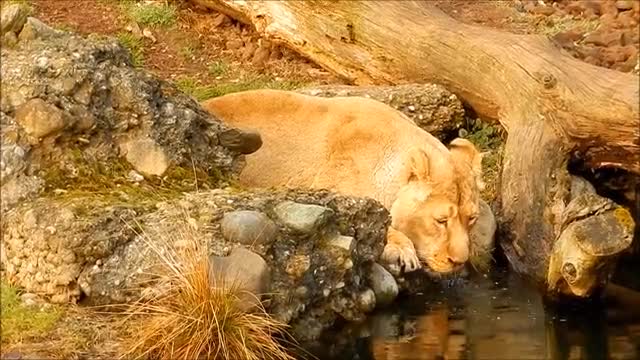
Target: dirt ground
[208, 54]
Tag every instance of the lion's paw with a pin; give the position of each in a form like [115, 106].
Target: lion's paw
[401, 256]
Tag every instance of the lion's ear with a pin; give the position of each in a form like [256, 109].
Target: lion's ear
[417, 167]
[464, 150]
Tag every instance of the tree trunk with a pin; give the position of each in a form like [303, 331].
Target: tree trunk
[553, 107]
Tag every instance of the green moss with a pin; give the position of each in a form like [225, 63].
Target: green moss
[135, 46]
[202, 92]
[156, 13]
[22, 323]
[105, 183]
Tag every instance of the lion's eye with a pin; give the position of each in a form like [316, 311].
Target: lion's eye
[472, 220]
[442, 221]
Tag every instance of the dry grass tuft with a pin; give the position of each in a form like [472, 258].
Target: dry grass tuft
[191, 319]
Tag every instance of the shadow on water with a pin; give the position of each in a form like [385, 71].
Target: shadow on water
[495, 316]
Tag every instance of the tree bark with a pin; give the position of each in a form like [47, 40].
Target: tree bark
[553, 107]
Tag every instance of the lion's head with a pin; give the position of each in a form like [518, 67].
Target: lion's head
[438, 203]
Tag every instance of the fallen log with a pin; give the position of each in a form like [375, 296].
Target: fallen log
[554, 108]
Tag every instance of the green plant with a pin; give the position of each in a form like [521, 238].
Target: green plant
[20, 322]
[157, 13]
[135, 46]
[218, 68]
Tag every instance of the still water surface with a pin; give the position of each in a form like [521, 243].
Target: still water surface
[493, 317]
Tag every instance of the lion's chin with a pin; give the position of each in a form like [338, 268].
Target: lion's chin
[451, 272]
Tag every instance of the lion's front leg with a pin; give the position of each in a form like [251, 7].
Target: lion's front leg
[399, 251]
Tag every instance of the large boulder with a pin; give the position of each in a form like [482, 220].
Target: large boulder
[85, 247]
[69, 101]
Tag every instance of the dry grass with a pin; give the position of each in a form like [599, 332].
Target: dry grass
[191, 319]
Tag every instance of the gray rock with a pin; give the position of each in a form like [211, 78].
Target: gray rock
[248, 227]
[242, 268]
[107, 107]
[345, 242]
[383, 285]
[430, 106]
[40, 119]
[482, 237]
[36, 29]
[13, 18]
[304, 218]
[367, 300]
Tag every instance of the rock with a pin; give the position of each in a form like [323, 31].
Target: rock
[146, 156]
[39, 119]
[13, 18]
[249, 50]
[248, 227]
[383, 285]
[367, 300]
[600, 38]
[12, 355]
[482, 237]
[567, 39]
[36, 29]
[134, 176]
[544, 10]
[623, 5]
[261, 55]
[9, 39]
[435, 109]
[242, 268]
[304, 218]
[221, 20]
[101, 107]
[234, 44]
[345, 242]
[242, 141]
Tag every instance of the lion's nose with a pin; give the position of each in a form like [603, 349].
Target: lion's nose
[456, 261]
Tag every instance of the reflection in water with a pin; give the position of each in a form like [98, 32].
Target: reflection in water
[493, 317]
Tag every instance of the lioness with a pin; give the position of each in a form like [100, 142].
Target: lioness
[361, 147]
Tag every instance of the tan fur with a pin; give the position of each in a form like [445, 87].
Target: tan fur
[362, 147]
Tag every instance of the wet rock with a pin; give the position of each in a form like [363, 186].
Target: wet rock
[304, 218]
[248, 227]
[383, 285]
[13, 18]
[244, 269]
[481, 236]
[39, 119]
[431, 107]
[36, 29]
[367, 300]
